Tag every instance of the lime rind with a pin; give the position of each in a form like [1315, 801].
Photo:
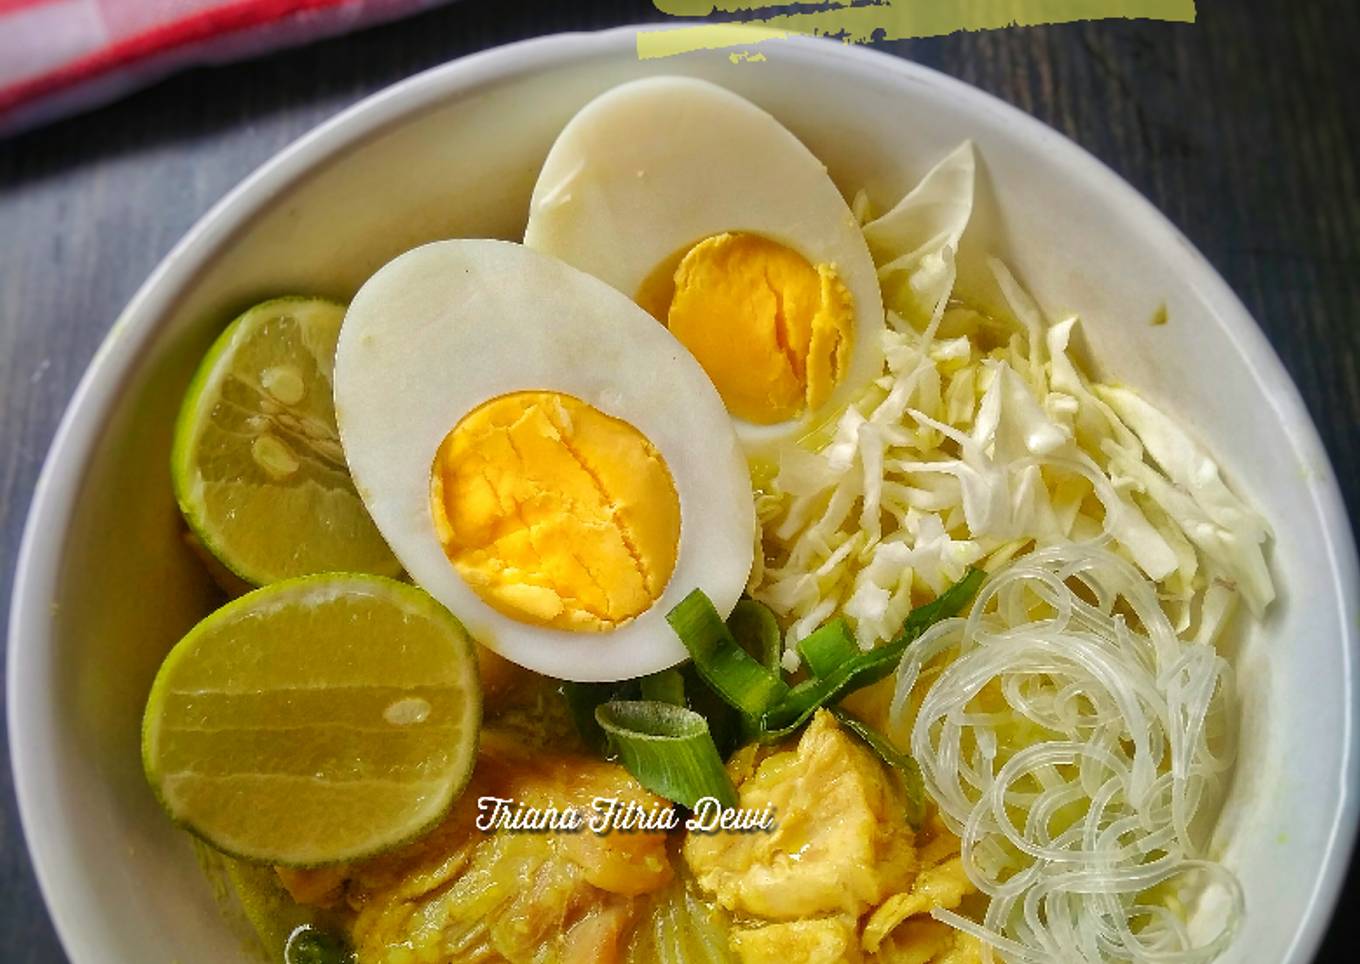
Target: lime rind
[190, 487]
[327, 586]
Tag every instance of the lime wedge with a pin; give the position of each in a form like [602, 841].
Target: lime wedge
[257, 466]
[317, 720]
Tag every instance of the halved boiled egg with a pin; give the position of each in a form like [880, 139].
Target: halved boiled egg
[710, 214]
[541, 455]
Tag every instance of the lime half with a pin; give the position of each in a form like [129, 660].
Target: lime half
[257, 465]
[316, 720]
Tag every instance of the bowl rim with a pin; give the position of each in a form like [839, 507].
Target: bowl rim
[37, 567]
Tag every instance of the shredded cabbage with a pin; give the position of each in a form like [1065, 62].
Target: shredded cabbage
[1071, 742]
[982, 438]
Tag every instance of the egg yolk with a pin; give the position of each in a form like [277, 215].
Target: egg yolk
[556, 513]
[772, 330]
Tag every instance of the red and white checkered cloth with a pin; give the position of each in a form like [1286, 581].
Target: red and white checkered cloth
[62, 56]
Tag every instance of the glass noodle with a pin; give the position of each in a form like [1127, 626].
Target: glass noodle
[1078, 746]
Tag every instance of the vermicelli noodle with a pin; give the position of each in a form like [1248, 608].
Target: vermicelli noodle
[1077, 746]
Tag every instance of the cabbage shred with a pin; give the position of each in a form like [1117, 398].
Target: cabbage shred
[983, 438]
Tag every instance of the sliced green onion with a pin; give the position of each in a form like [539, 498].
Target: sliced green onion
[905, 768]
[755, 629]
[805, 698]
[828, 647]
[948, 603]
[865, 668]
[311, 945]
[669, 749]
[582, 701]
[726, 724]
[667, 686]
[726, 667]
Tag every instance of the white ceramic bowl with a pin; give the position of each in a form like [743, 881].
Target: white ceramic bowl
[104, 586]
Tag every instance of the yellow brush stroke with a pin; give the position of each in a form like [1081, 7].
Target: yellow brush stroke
[889, 20]
[681, 40]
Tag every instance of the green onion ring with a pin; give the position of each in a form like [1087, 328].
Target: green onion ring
[668, 749]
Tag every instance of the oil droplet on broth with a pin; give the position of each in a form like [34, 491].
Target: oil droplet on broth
[408, 711]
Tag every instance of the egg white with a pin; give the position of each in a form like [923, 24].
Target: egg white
[654, 166]
[447, 326]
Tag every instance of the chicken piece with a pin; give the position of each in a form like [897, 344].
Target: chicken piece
[966, 949]
[840, 843]
[821, 940]
[920, 940]
[463, 894]
[942, 886]
[935, 843]
[599, 936]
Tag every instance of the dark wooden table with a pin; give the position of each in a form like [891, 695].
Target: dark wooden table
[1242, 128]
